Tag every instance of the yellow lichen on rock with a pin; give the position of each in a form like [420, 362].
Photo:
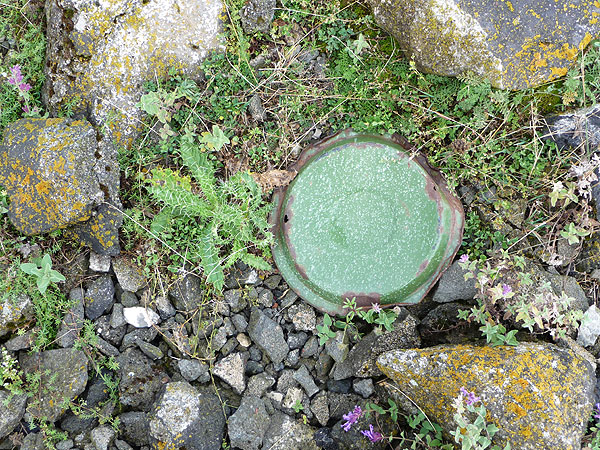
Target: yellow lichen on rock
[539, 395]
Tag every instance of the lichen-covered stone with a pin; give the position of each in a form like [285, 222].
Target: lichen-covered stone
[184, 417]
[47, 168]
[58, 174]
[63, 375]
[515, 44]
[100, 53]
[539, 395]
[14, 312]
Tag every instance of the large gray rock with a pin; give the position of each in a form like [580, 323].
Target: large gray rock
[538, 395]
[11, 411]
[268, 335]
[186, 417]
[514, 45]
[63, 375]
[56, 174]
[46, 166]
[285, 433]
[100, 60]
[248, 425]
[14, 312]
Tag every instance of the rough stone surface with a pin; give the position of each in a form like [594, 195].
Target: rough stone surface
[14, 312]
[186, 417]
[268, 335]
[192, 370]
[231, 370]
[248, 425]
[303, 317]
[139, 381]
[102, 437]
[259, 384]
[361, 360]
[100, 54]
[235, 300]
[134, 427]
[320, 408]
[364, 388]
[11, 413]
[63, 373]
[99, 297]
[515, 45]
[579, 129]
[285, 433]
[99, 263]
[452, 286]
[590, 327]
[47, 169]
[72, 323]
[187, 293]
[140, 317]
[553, 415]
[338, 347]
[302, 376]
[257, 15]
[128, 275]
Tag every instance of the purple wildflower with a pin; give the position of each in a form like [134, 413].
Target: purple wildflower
[506, 290]
[351, 418]
[17, 76]
[24, 87]
[376, 308]
[597, 411]
[470, 397]
[374, 436]
[464, 258]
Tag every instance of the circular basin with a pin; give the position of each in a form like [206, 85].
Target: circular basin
[364, 219]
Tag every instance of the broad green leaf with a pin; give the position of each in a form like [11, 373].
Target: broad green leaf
[209, 260]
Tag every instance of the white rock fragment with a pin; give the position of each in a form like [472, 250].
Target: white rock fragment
[590, 327]
[140, 317]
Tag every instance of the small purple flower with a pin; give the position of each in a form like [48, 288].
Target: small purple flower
[464, 258]
[24, 87]
[506, 290]
[597, 411]
[17, 76]
[374, 436]
[470, 397]
[376, 308]
[351, 418]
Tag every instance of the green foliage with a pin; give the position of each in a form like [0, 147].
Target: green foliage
[375, 315]
[228, 215]
[472, 430]
[21, 24]
[509, 292]
[43, 272]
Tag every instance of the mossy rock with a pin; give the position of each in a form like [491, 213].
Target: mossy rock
[539, 395]
[515, 44]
